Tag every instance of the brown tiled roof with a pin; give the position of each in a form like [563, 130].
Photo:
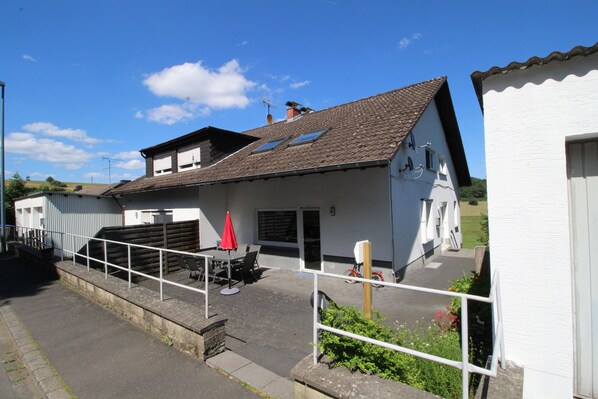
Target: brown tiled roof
[362, 133]
[478, 77]
[100, 189]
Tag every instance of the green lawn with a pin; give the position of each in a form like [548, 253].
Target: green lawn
[470, 222]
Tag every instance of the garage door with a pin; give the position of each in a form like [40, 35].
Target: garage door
[582, 161]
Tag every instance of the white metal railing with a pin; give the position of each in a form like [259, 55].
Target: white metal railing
[464, 365]
[48, 238]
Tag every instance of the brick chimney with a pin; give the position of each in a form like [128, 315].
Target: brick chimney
[293, 109]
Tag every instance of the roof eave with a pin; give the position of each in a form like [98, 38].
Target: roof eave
[267, 176]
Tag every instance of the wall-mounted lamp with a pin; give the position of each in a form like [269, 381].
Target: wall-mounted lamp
[428, 144]
[332, 211]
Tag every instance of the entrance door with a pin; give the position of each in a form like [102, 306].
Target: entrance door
[310, 245]
[582, 163]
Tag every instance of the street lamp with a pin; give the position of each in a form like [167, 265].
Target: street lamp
[3, 211]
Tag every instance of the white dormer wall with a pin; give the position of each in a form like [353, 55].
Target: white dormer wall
[425, 201]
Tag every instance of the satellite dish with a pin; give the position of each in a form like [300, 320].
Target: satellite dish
[411, 141]
[409, 163]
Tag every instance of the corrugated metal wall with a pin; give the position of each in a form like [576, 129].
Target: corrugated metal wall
[83, 215]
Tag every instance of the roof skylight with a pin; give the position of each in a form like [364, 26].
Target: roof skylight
[308, 137]
[269, 145]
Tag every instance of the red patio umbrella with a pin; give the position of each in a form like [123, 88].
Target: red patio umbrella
[229, 241]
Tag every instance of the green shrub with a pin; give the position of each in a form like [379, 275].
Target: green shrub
[472, 202]
[368, 358]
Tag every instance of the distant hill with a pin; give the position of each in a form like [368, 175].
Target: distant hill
[70, 186]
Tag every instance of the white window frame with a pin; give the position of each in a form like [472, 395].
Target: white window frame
[430, 159]
[276, 243]
[442, 168]
[189, 158]
[161, 164]
[427, 226]
[148, 216]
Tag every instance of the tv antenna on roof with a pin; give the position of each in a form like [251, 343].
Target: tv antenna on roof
[110, 160]
[267, 103]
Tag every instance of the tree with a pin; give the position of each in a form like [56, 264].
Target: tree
[15, 188]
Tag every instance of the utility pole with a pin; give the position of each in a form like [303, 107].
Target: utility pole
[3, 211]
[110, 160]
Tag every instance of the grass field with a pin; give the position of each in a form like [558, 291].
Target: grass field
[471, 216]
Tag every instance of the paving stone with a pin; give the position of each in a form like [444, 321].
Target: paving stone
[228, 361]
[52, 384]
[280, 388]
[254, 375]
[59, 394]
[44, 373]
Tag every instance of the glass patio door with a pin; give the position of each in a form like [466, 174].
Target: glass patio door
[310, 247]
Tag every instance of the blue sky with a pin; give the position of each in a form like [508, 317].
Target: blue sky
[91, 80]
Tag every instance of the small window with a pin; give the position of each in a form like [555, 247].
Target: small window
[157, 216]
[430, 161]
[189, 158]
[442, 169]
[270, 145]
[427, 222]
[308, 137]
[162, 165]
[278, 226]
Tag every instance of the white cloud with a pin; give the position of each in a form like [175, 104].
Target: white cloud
[406, 41]
[193, 83]
[69, 165]
[297, 85]
[48, 150]
[27, 57]
[93, 175]
[169, 114]
[49, 129]
[132, 164]
[139, 115]
[127, 155]
[38, 174]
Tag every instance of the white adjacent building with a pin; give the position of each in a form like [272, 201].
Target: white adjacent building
[541, 127]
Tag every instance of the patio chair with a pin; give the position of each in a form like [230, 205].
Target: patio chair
[215, 270]
[189, 264]
[241, 248]
[247, 265]
[255, 248]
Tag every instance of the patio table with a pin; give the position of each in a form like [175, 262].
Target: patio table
[222, 256]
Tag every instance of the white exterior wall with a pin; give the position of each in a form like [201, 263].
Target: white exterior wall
[68, 213]
[409, 188]
[360, 199]
[181, 201]
[25, 212]
[529, 115]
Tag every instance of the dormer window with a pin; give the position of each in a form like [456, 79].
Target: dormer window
[162, 164]
[189, 158]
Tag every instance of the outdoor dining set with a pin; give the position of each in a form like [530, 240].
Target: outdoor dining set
[243, 261]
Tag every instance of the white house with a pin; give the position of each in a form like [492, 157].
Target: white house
[82, 212]
[541, 127]
[385, 168]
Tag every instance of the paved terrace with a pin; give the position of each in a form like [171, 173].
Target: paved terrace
[270, 321]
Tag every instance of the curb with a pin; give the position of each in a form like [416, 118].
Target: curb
[48, 380]
[262, 380]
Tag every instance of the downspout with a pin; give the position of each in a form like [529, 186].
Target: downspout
[392, 219]
[122, 209]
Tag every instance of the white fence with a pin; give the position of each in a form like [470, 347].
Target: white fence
[464, 365]
[71, 244]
